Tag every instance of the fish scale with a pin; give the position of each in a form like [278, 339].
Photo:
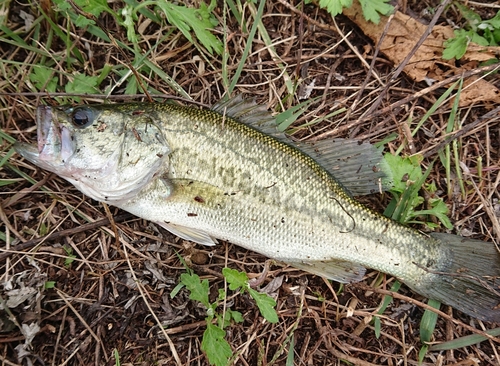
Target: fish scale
[320, 221]
[203, 175]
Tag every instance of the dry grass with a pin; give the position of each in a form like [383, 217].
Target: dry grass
[113, 273]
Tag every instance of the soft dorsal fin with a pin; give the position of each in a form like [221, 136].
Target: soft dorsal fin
[358, 166]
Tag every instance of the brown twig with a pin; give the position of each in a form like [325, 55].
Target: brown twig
[60, 234]
[428, 307]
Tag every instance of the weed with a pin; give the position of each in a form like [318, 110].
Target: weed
[214, 343]
[477, 30]
[371, 8]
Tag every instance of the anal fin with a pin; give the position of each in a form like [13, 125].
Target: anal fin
[337, 270]
[187, 233]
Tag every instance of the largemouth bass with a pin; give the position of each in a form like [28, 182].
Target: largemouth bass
[227, 174]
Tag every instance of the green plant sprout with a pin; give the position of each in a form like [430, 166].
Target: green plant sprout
[371, 8]
[213, 342]
[477, 30]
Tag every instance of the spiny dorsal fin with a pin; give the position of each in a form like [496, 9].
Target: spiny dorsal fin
[358, 166]
[247, 111]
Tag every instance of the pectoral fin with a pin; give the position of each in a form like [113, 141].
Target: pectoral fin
[337, 270]
[188, 233]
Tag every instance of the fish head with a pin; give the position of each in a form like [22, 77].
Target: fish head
[110, 153]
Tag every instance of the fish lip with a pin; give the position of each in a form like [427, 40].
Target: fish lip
[46, 153]
[46, 130]
[27, 151]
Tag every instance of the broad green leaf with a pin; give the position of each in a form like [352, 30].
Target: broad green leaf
[199, 20]
[94, 7]
[372, 9]
[237, 316]
[44, 79]
[215, 346]
[82, 84]
[198, 289]
[235, 278]
[266, 305]
[456, 47]
[404, 169]
[334, 7]
[438, 209]
[228, 316]
[83, 22]
[476, 38]
[495, 21]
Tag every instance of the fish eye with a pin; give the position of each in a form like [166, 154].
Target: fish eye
[81, 117]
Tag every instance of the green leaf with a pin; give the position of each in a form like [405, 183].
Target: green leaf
[422, 353]
[291, 353]
[215, 346]
[266, 305]
[62, 5]
[116, 355]
[130, 16]
[94, 7]
[428, 322]
[44, 79]
[198, 289]
[404, 169]
[6, 182]
[236, 316]
[456, 47]
[438, 209]
[83, 22]
[235, 278]
[176, 290]
[82, 84]
[334, 7]
[471, 16]
[465, 341]
[289, 116]
[495, 21]
[199, 20]
[480, 40]
[228, 316]
[372, 9]
[50, 284]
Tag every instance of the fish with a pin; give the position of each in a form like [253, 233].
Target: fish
[227, 173]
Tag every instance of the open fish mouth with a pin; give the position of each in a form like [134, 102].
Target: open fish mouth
[54, 144]
[49, 136]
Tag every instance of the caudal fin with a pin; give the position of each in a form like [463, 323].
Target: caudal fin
[471, 283]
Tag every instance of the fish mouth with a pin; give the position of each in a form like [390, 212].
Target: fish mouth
[54, 144]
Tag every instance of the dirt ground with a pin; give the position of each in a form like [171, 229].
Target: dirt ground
[92, 283]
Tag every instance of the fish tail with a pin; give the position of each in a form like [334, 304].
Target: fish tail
[471, 281]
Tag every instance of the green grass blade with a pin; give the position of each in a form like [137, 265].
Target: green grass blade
[466, 341]
[434, 107]
[248, 46]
